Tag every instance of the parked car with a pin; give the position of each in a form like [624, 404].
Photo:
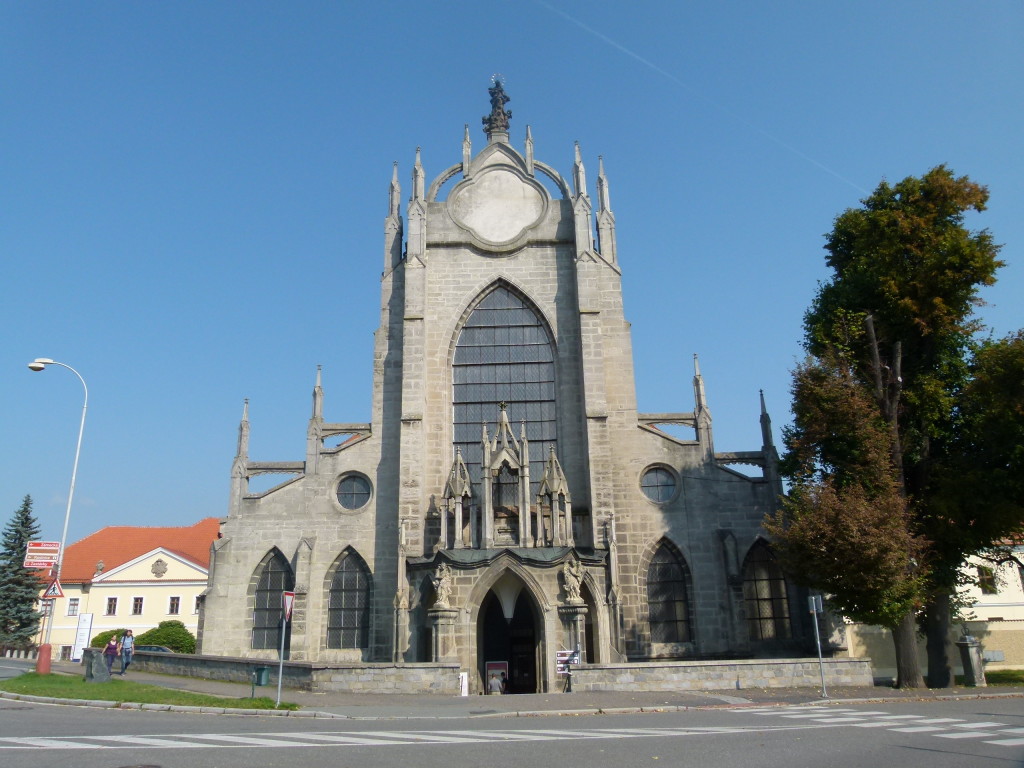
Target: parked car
[154, 648]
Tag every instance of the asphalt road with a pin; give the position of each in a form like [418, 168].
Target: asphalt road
[976, 733]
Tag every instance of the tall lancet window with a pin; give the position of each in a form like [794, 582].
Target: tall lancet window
[504, 354]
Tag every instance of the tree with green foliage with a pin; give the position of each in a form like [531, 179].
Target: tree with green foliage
[845, 527]
[19, 586]
[172, 634]
[898, 310]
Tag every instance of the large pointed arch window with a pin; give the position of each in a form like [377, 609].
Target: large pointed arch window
[504, 355]
[348, 612]
[668, 591]
[764, 596]
[273, 577]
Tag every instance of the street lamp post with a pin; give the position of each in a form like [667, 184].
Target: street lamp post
[45, 653]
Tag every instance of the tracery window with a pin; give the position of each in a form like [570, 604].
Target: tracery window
[764, 595]
[275, 577]
[504, 355]
[348, 613]
[668, 592]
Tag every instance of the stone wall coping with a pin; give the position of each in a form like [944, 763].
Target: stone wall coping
[726, 663]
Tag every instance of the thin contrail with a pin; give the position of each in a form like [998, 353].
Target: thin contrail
[651, 65]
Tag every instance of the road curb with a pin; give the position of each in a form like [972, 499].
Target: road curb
[200, 710]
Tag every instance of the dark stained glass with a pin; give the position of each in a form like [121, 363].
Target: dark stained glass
[275, 577]
[668, 597]
[504, 354]
[348, 613]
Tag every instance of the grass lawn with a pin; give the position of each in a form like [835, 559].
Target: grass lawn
[75, 687]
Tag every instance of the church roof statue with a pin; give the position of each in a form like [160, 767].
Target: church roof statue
[497, 121]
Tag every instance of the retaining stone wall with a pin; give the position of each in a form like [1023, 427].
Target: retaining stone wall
[310, 676]
[720, 675]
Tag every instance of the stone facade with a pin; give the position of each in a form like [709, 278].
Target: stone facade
[507, 500]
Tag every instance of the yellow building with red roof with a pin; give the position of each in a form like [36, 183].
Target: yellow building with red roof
[133, 578]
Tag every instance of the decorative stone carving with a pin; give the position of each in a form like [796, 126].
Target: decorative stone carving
[159, 568]
[572, 578]
[442, 579]
[499, 117]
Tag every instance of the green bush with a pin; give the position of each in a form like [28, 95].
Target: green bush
[103, 637]
[172, 634]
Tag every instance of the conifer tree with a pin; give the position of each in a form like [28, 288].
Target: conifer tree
[19, 586]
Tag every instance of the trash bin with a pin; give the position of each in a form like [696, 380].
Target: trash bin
[261, 675]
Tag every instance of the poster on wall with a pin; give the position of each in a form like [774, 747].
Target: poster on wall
[82, 636]
[497, 670]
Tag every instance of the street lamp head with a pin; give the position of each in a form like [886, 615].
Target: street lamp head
[39, 363]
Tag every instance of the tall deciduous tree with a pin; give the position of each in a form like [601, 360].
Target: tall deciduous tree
[899, 309]
[19, 586]
[845, 527]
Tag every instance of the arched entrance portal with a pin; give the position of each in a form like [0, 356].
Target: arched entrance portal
[508, 632]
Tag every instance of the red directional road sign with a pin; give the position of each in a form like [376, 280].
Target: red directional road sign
[42, 554]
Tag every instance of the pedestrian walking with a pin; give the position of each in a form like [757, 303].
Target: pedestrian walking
[110, 653]
[127, 647]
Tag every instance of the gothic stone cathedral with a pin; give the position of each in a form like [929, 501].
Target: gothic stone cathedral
[507, 501]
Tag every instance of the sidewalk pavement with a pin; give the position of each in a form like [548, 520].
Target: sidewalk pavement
[380, 706]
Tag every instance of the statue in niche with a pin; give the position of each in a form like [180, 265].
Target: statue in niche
[572, 577]
[442, 579]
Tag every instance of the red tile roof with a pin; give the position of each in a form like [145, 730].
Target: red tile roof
[118, 544]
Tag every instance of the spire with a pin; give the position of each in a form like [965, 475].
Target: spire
[503, 435]
[553, 482]
[318, 396]
[603, 201]
[394, 193]
[393, 224]
[417, 178]
[459, 482]
[315, 430]
[243, 433]
[529, 151]
[579, 174]
[605, 217]
[766, 425]
[467, 151]
[496, 123]
[702, 414]
[698, 386]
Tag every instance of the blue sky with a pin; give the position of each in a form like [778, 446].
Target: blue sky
[193, 198]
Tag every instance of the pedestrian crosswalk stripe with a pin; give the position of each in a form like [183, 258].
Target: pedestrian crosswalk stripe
[965, 735]
[50, 743]
[143, 741]
[247, 741]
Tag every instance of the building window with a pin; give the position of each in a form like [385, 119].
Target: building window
[658, 485]
[987, 580]
[274, 578]
[72, 606]
[65, 653]
[111, 606]
[764, 595]
[199, 602]
[353, 491]
[504, 355]
[174, 606]
[348, 615]
[46, 608]
[136, 606]
[668, 591]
